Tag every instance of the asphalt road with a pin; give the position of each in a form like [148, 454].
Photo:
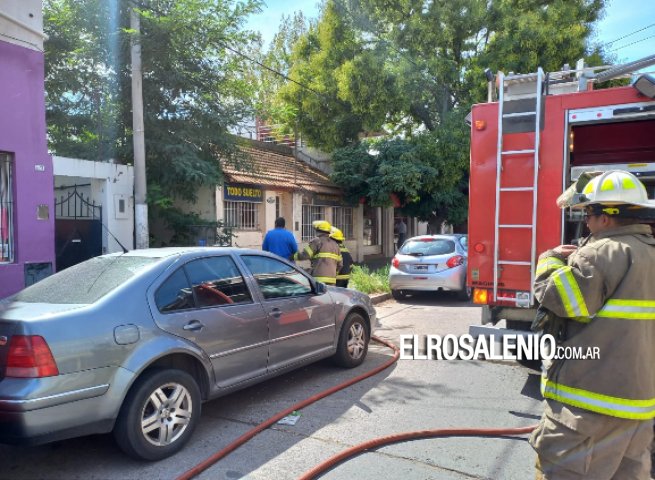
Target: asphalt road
[411, 395]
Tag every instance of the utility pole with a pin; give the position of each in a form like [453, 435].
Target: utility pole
[140, 205]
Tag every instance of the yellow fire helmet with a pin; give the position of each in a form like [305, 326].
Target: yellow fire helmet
[337, 235]
[614, 187]
[322, 226]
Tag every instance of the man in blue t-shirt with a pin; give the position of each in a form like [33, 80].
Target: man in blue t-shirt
[280, 241]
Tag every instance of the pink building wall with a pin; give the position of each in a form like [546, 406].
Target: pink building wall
[23, 136]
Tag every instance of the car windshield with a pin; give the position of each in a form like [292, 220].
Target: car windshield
[85, 282]
[427, 246]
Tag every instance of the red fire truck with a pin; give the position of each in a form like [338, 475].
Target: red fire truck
[543, 131]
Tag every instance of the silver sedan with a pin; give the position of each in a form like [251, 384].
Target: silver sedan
[133, 343]
[430, 263]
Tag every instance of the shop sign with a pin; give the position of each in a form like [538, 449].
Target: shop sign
[327, 200]
[242, 192]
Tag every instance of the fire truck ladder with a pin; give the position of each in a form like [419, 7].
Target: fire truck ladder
[501, 154]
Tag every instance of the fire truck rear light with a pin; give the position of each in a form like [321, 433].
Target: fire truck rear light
[480, 125]
[479, 247]
[395, 262]
[30, 357]
[480, 296]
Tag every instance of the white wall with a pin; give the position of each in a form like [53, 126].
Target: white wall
[110, 183]
[21, 23]
[205, 205]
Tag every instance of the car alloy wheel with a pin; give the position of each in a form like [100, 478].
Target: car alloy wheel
[464, 294]
[356, 340]
[398, 294]
[158, 415]
[353, 341]
[166, 414]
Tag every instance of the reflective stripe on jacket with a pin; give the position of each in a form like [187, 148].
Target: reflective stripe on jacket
[325, 256]
[607, 289]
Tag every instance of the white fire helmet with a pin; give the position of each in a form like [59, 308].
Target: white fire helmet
[614, 187]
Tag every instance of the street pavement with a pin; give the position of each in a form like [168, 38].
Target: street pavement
[411, 395]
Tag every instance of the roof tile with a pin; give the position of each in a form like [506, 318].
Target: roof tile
[274, 167]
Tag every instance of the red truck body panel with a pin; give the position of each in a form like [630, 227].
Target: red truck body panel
[516, 207]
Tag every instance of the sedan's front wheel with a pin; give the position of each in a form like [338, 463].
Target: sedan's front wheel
[158, 415]
[353, 342]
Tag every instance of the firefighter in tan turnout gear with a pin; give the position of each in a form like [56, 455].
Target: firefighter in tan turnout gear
[343, 275]
[598, 417]
[324, 254]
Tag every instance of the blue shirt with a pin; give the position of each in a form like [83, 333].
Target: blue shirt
[280, 242]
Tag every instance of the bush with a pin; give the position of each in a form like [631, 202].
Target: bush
[369, 282]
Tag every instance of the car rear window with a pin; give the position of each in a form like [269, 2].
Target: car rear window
[86, 282]
[428, 246]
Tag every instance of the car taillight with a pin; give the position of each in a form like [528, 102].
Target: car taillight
[455, 261]
[395, 262]
[30, 357]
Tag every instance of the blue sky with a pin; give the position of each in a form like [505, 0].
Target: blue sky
[622, 17]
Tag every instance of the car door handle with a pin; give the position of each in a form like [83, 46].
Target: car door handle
[193, 325]
[276, 312]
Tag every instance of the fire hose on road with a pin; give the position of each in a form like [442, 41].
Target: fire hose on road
[357, 449]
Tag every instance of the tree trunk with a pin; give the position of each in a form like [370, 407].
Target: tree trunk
[434, 224]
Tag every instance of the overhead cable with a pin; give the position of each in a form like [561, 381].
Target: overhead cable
[630, 34]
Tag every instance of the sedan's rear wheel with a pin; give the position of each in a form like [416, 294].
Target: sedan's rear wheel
[158, 415]
[398, 294]
[353, 342]
[464, 294]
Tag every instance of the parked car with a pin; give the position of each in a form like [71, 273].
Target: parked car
[430, 263]
[133, 343]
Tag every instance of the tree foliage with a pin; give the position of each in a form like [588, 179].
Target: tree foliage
[427, 173]
[411, 69]
[194, 86]
[324, 62]
[271, 78]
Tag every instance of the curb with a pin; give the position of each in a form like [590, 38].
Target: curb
[379, 297]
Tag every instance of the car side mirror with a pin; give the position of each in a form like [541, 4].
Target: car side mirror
[321, 288]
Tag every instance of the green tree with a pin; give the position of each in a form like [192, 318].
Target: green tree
[414, 68]
[275, 66]
[427, 173]
[194, 87]
[323, 63]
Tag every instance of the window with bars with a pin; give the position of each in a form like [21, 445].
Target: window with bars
[241, 215]
[342, 218]
[6, 209]
[310, 213]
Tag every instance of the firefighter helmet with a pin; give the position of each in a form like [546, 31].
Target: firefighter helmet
[614, 187]
[322, 225]
[337, 235]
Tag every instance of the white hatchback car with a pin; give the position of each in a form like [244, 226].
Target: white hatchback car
[430, 263]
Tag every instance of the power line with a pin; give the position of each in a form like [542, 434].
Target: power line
[633, 43]
[630, 34]
[272, 70]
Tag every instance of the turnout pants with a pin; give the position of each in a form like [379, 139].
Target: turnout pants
[574, 444]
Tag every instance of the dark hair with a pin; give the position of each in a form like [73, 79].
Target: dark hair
[280, 223]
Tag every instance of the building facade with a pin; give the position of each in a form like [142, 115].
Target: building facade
[27, 251]
[94, 209]
[271, 182]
